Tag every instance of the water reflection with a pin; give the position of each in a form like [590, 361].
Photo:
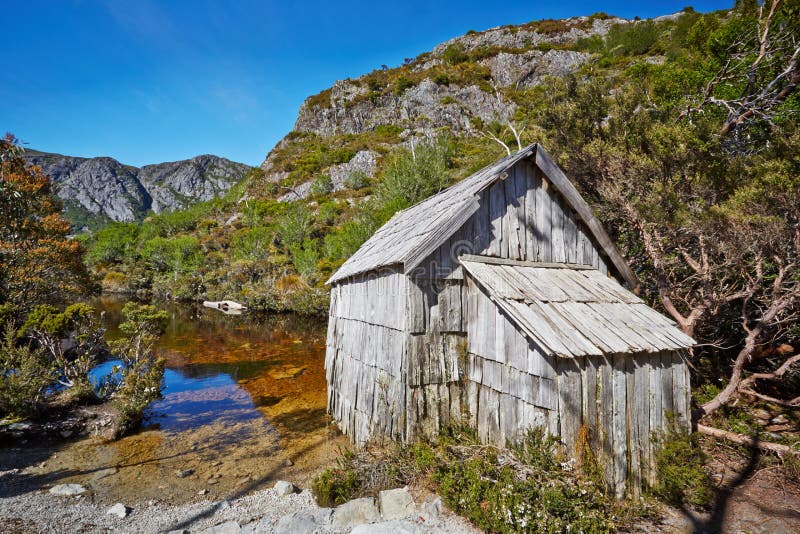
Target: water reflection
[244, 405]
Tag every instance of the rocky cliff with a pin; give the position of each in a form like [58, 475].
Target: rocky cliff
[95, 190]
[453, 84]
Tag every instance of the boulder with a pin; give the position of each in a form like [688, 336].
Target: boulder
[355, 512]
[283, 488]
[304, 522]
[119, 510]
[67, 490]
[396, 504]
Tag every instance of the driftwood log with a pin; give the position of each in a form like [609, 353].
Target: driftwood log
[747, 440]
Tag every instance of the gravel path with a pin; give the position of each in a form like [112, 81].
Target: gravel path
[38, 510]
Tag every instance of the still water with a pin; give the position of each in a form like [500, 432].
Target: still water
[244, 405]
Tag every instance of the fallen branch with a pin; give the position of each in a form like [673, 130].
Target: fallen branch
[747, 441]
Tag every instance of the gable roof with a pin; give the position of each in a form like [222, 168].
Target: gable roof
[571, 310]
[412, 234]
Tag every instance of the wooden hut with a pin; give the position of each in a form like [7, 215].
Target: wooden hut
[500, 302]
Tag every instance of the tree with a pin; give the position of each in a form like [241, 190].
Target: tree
[760, 65]
[38, 261]
[71, 340]
[140, 377]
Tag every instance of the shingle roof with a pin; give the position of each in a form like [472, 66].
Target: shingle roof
[415, 232]
[575, 311]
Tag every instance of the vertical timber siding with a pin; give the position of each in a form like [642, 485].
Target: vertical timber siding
[364, 359]
[519, 218]
[617, 403]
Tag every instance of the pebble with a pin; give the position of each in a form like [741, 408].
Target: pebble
[119, 510]
[202, 492]
[213, 481]
[283, 488]
[183, 473]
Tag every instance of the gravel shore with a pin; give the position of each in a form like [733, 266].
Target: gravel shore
[40, 511]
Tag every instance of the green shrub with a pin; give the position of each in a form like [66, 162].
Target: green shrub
[294, 225]
[441, 78]
[415, 175]
[25, 374]
[47, 327]
[685, 481]
[356, 180]
[322, 185]
[401, 84]
[454, 54]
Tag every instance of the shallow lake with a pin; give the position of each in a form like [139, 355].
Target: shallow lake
[243, 406]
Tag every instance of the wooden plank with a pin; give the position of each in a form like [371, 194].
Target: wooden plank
[491, 260]
[482, 227]
[620, 424]
[511, 226]
[531, 186]
[681, 390]
[574, 199]
[543, 222]
[451, 314]
[667, 394]
[634, 452]
[571, 235]
[570, 401]
[641, 407]
[497, 209]
[591, 400]
[558, 252]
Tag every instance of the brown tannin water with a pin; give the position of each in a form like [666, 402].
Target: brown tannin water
[244, 405]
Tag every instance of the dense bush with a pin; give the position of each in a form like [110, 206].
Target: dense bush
[682, 476]
[25, 375]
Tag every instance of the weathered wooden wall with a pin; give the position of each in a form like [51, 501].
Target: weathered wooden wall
[365, 356]
[620, 401]
[521, 218]
[436, 354]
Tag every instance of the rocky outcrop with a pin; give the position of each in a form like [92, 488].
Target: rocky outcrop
[106, 189]
[522, 56]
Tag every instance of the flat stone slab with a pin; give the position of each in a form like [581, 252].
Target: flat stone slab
[305, 522]
[67, 490]
[355, 512]
[396, 504]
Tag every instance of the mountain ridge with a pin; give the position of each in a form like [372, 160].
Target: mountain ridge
[97, 190]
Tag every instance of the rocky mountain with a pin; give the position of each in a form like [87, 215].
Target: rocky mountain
[463, 87]
[96, 190]
[426, 98]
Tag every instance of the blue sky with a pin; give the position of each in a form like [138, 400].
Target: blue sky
[145, 81]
